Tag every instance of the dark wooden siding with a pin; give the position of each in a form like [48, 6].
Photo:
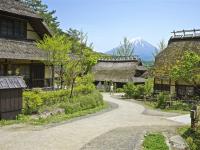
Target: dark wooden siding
[161, 88]
[10, 103]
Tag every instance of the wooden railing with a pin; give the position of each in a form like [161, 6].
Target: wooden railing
[186, 33]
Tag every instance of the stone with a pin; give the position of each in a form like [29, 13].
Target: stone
[178, 143]
[46, 114]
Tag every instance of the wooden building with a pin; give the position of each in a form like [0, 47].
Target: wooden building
[20, 27]
[181, 41]
[11, 88]
[119, 70]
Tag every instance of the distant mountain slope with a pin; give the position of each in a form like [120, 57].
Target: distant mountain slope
[142, 48]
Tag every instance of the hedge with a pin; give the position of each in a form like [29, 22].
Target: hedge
[34, 100]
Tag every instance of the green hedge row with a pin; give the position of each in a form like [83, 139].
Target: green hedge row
[83, 102]
[34, 100]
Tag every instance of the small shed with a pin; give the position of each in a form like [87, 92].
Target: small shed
[11, 88]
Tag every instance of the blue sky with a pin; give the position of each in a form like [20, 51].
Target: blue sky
[108, 21]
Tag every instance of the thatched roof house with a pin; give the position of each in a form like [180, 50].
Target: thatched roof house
[119, 70]
[20, 27]
[181, 41]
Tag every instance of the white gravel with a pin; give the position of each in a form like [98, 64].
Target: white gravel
[74, 135]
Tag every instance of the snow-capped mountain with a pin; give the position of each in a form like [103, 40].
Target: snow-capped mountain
[142, 48]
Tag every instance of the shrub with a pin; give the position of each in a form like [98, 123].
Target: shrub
[192, 138]
[181, 106]
[83, 102]
[71, 108]
[90, 101]
[129, 89]
[139, 91]
[133, 91]
[31, 102]
[119, 90]
[84, 89]
[191, 143]
[52, 97]
[84, 85]
[34, 101]
[148, 87]
[161, 99]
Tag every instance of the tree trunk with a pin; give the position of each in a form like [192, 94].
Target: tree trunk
[61, 76]
[72, 88]
[52, 76]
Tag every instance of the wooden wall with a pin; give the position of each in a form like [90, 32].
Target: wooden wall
[10, 103]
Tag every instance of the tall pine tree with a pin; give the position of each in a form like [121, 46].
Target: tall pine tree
[49, 16]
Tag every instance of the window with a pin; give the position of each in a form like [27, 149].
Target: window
[1, 70]
[12, 28]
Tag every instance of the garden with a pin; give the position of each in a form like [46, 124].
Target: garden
[44, 107]
[71, 60]
[163, 101]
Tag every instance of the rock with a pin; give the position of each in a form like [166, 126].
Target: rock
[46, 114]
[178, 143]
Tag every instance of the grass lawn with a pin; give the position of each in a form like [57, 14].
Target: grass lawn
[192, 138]
[155, 141]
[177, 108]
[52, 119]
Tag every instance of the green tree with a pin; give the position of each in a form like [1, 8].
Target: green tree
[187, 69]
[125, 48]
[80, 47]
[72, 55]
[57, 48]
[49, 16]
[82, 58]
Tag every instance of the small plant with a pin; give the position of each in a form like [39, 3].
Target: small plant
[192, 138]
[129, 89]
[155, 141]
[191, 143]
[161, 99]
[148, 87]
[134, 91]
[119, 90]
[31, 102]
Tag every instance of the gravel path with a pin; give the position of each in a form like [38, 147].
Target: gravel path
[75, 135]
[126, 138]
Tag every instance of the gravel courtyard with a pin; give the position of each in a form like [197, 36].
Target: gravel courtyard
[120, 128]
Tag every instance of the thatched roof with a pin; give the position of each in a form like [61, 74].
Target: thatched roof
[174, 51]
[12, 49]
[117, 71]
[18, 8]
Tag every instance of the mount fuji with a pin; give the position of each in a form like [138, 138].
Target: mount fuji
[142, 49]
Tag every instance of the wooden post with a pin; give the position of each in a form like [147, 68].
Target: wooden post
[195, 114]
[174, 33]
[183, 32]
